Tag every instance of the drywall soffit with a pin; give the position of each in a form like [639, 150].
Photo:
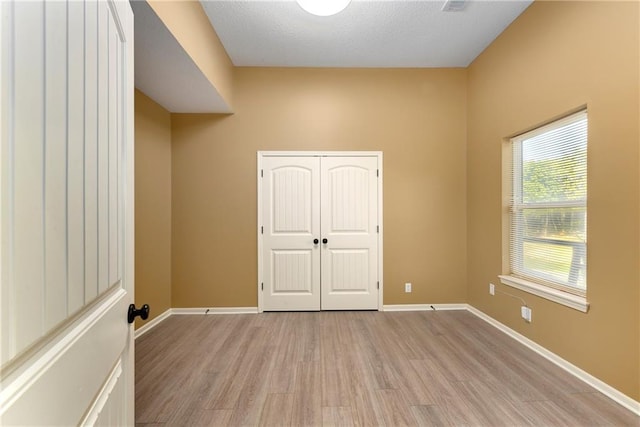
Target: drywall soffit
[166, 73]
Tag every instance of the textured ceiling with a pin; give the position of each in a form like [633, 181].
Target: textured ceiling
[391, 33]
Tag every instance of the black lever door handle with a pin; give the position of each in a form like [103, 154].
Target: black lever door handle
[315, 241]
[133, 312]
[325, 241]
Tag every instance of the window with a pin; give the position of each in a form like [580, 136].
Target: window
[548, 208]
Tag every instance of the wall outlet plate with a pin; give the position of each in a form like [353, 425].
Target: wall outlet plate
[525, 312]
[492, 289]
[407, 287]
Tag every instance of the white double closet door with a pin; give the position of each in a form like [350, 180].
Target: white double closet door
[319, 232]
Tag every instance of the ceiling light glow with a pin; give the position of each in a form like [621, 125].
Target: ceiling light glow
[323, 7]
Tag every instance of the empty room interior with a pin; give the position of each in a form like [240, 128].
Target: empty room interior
[392, 213]
[443, 132]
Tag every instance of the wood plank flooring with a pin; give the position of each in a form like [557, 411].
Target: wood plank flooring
[354, 368]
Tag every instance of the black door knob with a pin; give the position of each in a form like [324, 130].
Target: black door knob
[325, 241]
[315, 241]
[133, 312]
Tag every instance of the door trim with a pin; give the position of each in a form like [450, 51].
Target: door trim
[263, 154]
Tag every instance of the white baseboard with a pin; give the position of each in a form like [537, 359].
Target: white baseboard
[594, 382]
[423, 307]
[215, 310]
[196, 310]
[151, 324]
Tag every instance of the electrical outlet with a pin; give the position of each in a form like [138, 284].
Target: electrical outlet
[492, 289]
[525, 312]
[407, 287]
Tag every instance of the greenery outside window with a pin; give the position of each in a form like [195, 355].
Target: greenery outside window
[548, 207]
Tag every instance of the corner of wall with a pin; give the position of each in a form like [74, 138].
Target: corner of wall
[153, 206]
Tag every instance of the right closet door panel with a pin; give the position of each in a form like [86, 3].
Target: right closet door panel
[349, 226]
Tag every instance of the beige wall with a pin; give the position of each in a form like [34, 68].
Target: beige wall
[416, 117]
[189, 24]
[557, 57]
[153, 205]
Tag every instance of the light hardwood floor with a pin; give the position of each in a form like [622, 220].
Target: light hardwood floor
[354, 368]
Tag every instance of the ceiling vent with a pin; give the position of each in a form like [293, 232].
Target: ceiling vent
[454, 5]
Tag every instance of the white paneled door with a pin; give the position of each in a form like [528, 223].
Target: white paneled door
[291, 202]
[66, 179]
[349, 224]
[319, 231]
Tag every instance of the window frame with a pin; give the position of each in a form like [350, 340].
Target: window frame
[517, 276]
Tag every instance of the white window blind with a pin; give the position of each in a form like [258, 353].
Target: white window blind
[548, 239]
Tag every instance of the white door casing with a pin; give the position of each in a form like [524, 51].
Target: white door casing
[307, 196]
[66, 179]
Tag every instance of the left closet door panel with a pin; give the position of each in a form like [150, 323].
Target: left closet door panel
[291, 214]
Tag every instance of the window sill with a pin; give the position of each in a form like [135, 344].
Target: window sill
[573, 301]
